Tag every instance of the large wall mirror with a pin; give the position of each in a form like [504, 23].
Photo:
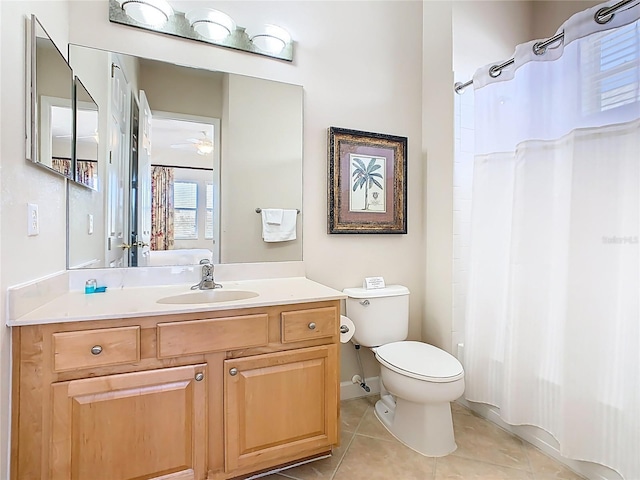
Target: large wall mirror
[189, 156]
[51, 123]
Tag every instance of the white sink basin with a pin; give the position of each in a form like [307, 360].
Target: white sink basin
[208, 296]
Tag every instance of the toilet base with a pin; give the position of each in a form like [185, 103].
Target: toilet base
[425, 428]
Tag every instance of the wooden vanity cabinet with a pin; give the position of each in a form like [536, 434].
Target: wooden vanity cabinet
[280, 404]
[209, 395]
[142, 425]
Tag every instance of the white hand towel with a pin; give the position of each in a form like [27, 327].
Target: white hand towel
[272, 215]
[284, 232]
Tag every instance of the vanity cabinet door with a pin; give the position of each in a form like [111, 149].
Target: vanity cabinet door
[280, 406]
[143, 425]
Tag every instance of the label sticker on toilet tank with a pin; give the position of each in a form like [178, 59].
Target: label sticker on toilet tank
[373, 282]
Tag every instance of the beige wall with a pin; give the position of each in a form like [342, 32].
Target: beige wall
[200, 91]
[262, 154]
[548, 16]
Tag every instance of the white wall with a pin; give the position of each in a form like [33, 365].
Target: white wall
[24, 258]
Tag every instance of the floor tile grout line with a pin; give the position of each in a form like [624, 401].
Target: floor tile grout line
[346, 450]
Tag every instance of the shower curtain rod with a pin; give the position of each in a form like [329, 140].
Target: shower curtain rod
[602, 16]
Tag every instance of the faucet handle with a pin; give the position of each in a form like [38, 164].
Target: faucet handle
[204, 261]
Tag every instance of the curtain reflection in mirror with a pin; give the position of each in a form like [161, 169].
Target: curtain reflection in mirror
[87, 172]
[162, 208]
[62, 165]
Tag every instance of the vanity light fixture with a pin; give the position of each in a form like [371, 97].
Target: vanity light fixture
[205, 25]
[153, 13]
[272, 40]
[211, 24]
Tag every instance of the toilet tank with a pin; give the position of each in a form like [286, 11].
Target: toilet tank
[380, 315]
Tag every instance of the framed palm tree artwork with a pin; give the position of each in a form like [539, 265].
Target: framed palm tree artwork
[367, 182]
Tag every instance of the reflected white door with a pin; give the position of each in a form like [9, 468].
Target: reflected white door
[144, 182]
[116, 254]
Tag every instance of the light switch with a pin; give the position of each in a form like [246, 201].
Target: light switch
[33, 222]
[90, 228]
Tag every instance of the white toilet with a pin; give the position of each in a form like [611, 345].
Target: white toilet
[418, 381]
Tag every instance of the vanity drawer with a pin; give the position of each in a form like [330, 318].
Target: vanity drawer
[309, 324]
[212, 335]
[95, 348]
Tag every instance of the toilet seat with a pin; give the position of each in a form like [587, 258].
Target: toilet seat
[420, 360]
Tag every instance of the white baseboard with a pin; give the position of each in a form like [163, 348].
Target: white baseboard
[349, 390]
[544, 441]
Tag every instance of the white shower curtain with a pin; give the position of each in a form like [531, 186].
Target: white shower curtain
[552, 334]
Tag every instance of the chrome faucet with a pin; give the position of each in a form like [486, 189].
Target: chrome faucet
[207, 282]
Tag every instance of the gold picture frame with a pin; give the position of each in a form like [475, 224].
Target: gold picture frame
[367, 182]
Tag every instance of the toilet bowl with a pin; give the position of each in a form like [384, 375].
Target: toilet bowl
[418, 381]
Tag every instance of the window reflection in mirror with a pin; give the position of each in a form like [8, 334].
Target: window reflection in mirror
[52, 89]
[184, 191]
[86, 137]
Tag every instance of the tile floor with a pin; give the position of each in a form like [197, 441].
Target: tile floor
[369, 452]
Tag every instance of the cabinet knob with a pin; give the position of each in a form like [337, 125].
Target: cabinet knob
[96, 350]
[312, 326]
[199, 377]
[233, 372]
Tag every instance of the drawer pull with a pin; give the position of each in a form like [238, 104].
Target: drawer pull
[199, 376]
[312, 326]
[96, 350]
[233, 372]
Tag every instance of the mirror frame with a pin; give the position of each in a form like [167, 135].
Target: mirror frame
[34, 119]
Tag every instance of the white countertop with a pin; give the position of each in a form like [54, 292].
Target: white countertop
[127, 302]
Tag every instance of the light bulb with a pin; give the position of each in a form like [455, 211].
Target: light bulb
[211, 24]
[273, 40]
[153, 13]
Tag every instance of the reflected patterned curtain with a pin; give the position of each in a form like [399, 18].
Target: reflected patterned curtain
[87, 172]
[62, 165]
[161, 208]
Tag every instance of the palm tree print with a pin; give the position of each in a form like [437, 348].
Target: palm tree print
[365, 176]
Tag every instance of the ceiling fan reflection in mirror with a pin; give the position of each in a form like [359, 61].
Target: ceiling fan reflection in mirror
[202, 145]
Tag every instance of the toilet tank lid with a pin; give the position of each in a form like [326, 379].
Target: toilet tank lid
[388, 291]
